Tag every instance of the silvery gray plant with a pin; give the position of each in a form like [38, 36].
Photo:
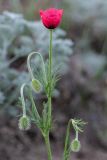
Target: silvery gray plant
[18, 37]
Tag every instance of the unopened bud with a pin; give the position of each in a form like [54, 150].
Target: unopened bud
[75, 145]
[24, 123]
[36, 85]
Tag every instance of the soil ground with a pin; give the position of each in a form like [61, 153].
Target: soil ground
[18, 145]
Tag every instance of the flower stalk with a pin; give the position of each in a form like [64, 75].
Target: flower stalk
[47, 141]
[29, 65]
[50, 79]
[24, 121]
[22, 99]
[66, 153]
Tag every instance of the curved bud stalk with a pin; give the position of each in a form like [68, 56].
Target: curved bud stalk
[75, 144]
[43, 66]
[24, 121]
[23, 100]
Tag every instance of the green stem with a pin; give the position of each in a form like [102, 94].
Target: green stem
[47, 141]
[48, 147]
[50, 78]
[50, 64]
[66, 155]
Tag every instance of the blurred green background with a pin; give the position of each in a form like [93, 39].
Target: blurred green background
[80, 46]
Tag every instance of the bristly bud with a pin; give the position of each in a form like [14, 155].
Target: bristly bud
[75, 145]
[24, 123]
[36, 85]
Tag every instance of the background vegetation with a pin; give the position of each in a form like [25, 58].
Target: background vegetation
[80, 46]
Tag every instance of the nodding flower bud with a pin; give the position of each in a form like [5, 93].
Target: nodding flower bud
[24, 123]
[75, 145]
[36, 85]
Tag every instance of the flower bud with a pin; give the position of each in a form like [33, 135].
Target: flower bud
[75, 145]
[24, 123]
[36, 85]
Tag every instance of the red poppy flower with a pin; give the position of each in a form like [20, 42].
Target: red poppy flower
[51, 18]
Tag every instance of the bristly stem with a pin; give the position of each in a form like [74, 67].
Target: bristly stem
[66, 154]
[76, 135]
[50, 63]
[47, 141]
[23, 100]
[50, 79]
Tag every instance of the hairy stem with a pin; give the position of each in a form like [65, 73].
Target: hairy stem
[50, 64]
[23, 100]
[66, 155]
[47, 142]
[50, 79]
